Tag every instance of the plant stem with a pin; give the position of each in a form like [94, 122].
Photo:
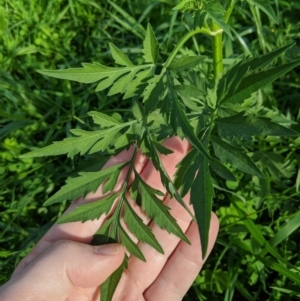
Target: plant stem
[217, 52]
[187, 37]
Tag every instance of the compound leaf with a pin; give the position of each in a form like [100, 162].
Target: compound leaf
[90, 211]
[85, 142]
[139, 229]
[222, 170]
[86, 182]
[158, 211]
[228, 153]
[256, 81]
[242, 126]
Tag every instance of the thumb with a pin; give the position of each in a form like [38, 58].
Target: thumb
[63, 266]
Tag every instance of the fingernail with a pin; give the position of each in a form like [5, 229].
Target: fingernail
[109, 249]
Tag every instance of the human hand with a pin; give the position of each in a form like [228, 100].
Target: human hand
[62, 266]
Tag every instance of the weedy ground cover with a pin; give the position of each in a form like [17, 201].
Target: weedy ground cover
[256, 179]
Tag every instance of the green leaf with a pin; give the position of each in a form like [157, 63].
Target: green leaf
[108, 287]
[242, 126]
[202, 193]
[137, 109]
[186, 171]
[157, 210]
[90, 73]
[119, 57]
[130, 245]
[153, 92]
[265, 6]
[90, 211]
[139, 229]
[181, 125]
[120, 79]
[151, 151]
[186, 63]
[228, 153]
[189, 91]
[133, 86]
[256, 81]
[87, 182]
[222, 170]
[110, 183]
[231, 80]
[85, 142]
[264, 60]
[150, 49]
[103, 120]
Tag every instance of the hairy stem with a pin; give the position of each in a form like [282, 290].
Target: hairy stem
[217, 52]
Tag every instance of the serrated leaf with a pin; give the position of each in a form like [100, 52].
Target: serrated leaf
[189, 91]
[119, 57]
[186, 172]
[130, 245]
[151, 153]
[110, 184]
[162, 149]
[120, 78]
[86, 182]
[186, 63]
[222, 170]
[265, 6]
[158, 211]
[150, 49]
[102, 119]
[140, 230]
[108, 287]
[231, 80]
[85, 142]
[202, 193]
[264, 60]
[134, 84]
[254, 82]
[90, 73]
[242, 126]
[228, 153]
[90, 211]
[121, 84]
[181, 125]
[153, 92]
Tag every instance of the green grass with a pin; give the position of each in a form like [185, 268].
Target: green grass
[36, 110]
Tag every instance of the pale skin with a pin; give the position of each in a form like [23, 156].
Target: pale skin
[64, 267]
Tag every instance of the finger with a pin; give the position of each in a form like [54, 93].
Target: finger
[155, 261]
[61, 268]
[152, 177]
[186, 261]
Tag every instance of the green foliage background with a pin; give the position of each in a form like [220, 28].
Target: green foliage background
[36, 110]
